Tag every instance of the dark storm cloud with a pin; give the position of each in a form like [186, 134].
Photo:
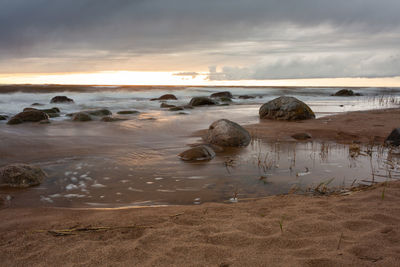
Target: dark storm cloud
[263, 38]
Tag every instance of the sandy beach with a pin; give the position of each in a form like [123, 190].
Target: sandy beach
[361, 229]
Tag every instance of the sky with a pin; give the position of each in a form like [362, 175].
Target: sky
[200, 42]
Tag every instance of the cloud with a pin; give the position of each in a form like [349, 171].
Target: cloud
[322, 66]
[262, 38]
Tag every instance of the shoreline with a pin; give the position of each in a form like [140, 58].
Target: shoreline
[362, 228]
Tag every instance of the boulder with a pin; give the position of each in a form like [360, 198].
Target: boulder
[201, 152]
[21, 175]
[286, 108]
[246, 97]
[201, 101]
[61, 99]
[346, 92]
[3, 117]
[28, 116]
[225, 94]
[394, 138]
[165, 105]
[127, 112]
[165, 97]
[302, 136]
[98, 112]
[227, 133]
[81, 116]
[52, 112]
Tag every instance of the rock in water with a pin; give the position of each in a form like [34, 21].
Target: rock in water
[165, 105]
[227, 133]
[112, 119]
[346, 92]
[176, 108]
[286, 108]
[28, 116]
[165, 97]
[393, 138]
[127, 112]
[201, 101]
[21, 175]
[61, 99]
[201, 152]
[52, 112]
[98, 112]
[3, 117]
[81, 116]
[225, 94]
[246, 97]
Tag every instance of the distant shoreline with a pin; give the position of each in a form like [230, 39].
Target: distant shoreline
[51, 88]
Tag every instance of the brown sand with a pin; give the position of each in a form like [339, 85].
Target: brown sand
[361, 229]
[361, 126]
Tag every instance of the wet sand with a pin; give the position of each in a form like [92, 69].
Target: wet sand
[361, 229]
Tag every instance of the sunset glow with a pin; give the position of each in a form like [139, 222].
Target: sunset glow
[171, 78]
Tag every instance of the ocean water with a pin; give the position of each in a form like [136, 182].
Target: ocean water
[121, 98]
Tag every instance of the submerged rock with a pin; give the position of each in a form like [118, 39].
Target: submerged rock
[165, 97]
[225, 94]
[176, 109]
[127, 112]
[165, 105]
[37, 104]
[61, 99]
[3, 117]
[246, 97]
[302, 136]
[201, 101]
[227, 133]
[21, 175]
[394, 138]
[112, 119]
[28, 116]
[201, 152]
[286, 108]
[98, 112]
[81, 116]
[346, 92]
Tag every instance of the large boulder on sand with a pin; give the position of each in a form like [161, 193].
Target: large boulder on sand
[28, 116]
[286, 108]
[201, 101]
[393, 138]
[21, 175]
[227, 133]
[165, 97]
[61, 99]
[346, 92]
[225, 94]
[201, 152]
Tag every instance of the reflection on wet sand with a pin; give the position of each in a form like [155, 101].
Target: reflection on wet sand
[146, 177]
